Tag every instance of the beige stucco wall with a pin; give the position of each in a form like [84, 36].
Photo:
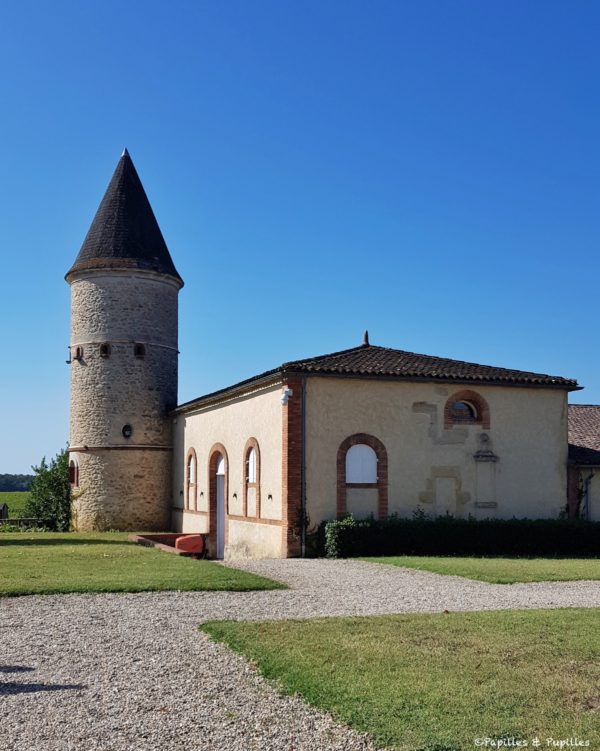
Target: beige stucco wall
[231, 423]
[431, 468]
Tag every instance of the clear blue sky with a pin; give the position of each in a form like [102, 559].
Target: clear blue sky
[427, 170]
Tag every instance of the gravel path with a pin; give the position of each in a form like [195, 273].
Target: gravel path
[129, 672]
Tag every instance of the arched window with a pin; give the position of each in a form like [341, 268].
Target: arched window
[362, 467]
[251, 467]
[191, 480]
[251, 478]
[105, 350]
[361, 464]
[73, 474]
[463, 412]
[139, 351]
[79, 353]
[466, 408]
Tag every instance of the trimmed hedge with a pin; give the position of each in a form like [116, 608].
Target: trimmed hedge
[560, 538]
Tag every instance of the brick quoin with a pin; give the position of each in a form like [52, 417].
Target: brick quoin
[292, 469]
[382, 473]
[480, 404]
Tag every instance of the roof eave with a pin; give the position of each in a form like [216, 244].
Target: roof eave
[564, 386]
[118, 265]
[277, 374]
[230, 392]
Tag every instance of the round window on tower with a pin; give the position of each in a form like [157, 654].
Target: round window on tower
[127, 431]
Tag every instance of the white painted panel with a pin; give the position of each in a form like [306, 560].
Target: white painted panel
[361, 464]
[192, 468]
[252, 465]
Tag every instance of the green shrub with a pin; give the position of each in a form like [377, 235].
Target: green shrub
[50, 499]
[568, 538]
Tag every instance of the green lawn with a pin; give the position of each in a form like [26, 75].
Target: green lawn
[438, 682]
[51, 562]
[15, 500]
[502, 570]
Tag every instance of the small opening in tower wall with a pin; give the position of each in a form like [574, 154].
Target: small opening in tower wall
[105, 350]
[78, 353]
[127, 431]
[73, 474]
[139, 350]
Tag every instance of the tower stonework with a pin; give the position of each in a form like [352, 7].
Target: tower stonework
[123, 359]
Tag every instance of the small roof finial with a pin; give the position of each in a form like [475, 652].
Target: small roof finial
[366, 339]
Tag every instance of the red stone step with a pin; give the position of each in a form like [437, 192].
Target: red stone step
[190, 544]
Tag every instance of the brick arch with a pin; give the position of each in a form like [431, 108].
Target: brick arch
[213, 457]
[251, 443]
[480, 404]
[191, 488]
[382, 472]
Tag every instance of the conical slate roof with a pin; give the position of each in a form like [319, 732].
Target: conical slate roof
[125, 233]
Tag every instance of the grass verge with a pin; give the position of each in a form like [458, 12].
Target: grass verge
[15, 500]
[501, 570]
[50, 562]
[438, 682]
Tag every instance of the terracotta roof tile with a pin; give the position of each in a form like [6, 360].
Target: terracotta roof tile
[370, 360]
[584, 434]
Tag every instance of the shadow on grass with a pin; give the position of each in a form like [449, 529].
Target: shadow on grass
[62, 541]
[447, 557]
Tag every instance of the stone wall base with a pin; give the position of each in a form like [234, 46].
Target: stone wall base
[122, 489]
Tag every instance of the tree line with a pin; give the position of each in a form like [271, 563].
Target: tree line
[15, 482]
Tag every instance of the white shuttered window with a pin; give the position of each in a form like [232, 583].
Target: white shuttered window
[251, 472]
[361, 464]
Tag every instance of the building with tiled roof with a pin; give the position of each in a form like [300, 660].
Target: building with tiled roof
[584, 460]
[256, 466]
[371, 361]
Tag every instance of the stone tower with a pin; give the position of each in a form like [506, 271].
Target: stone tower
[123, 359]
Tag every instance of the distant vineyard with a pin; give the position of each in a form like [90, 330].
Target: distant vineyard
[15, 500]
